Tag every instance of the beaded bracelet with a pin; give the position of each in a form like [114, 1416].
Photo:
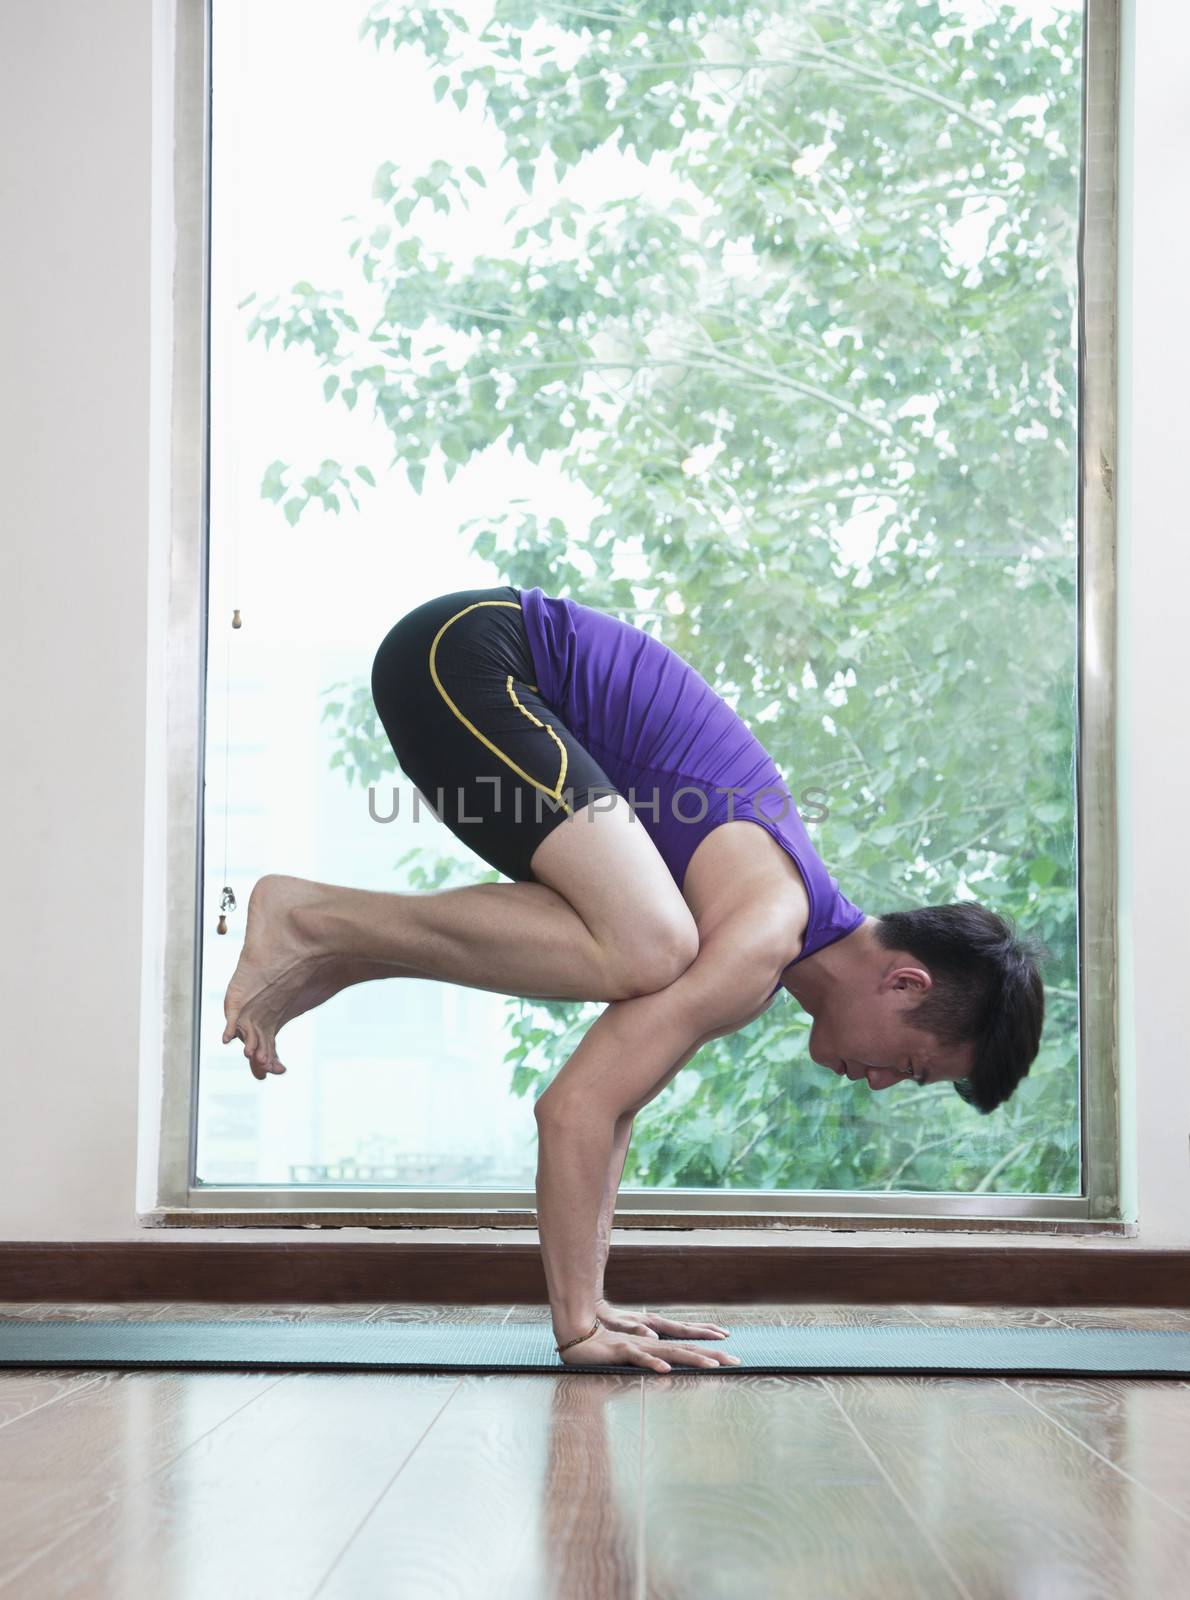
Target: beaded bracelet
[560, 1347]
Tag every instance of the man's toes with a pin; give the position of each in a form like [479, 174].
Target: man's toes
[257, 1071]
[261, 1050]
[260, 1046]
[251, 1045]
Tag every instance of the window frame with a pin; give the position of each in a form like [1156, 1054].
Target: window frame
[179, 1199]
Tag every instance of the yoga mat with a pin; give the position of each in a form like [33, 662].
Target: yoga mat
[529, 1346]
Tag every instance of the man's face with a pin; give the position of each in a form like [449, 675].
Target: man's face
[871, 1040]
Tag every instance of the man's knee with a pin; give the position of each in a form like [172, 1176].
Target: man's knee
[653, 961]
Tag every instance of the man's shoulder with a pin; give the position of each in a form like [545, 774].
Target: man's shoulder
[742, 875]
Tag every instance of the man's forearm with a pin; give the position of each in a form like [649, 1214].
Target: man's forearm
[615, 1173]
[580, 1160]
[622, 1137]
[624, 1060]
[573, 1157]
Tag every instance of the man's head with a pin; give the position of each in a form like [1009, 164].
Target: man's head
[935, 993]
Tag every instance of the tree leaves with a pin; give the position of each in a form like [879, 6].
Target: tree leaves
[727, 378]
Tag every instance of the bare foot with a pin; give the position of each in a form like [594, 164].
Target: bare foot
[282, 971]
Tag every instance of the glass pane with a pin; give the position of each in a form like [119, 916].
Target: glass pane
[757, 329]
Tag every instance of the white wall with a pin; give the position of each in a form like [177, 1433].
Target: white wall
[81, 535]
[1154, 593]
[74, 510]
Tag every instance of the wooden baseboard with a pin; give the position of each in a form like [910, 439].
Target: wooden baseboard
[649, 1273]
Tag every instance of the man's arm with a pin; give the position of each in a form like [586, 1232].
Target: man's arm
[622, 1137]
[628, 1055]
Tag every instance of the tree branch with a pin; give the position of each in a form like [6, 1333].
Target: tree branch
[994, 1172]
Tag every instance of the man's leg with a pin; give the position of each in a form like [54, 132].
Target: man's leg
[605, 921]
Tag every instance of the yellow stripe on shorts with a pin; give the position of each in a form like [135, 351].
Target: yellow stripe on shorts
[556, 792]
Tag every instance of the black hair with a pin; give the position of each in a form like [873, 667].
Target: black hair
[986, 989]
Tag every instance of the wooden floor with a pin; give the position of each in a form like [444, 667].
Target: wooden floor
[348, 1486]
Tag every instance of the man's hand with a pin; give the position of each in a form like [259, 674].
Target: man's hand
[656, 1327]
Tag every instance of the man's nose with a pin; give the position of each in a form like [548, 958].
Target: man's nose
[878, 1080]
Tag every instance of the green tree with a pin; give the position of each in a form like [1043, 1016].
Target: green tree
[733, 380]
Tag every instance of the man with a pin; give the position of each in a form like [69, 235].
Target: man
[626, 801]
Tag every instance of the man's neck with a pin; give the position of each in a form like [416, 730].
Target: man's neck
[811, 980]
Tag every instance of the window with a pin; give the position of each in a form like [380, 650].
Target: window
[768, 339]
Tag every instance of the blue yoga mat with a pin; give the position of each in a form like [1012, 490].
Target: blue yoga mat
[529, 1346]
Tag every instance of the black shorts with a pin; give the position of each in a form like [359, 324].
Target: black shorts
[455, 689]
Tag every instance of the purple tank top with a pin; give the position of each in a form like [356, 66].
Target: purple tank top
[671, 745]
